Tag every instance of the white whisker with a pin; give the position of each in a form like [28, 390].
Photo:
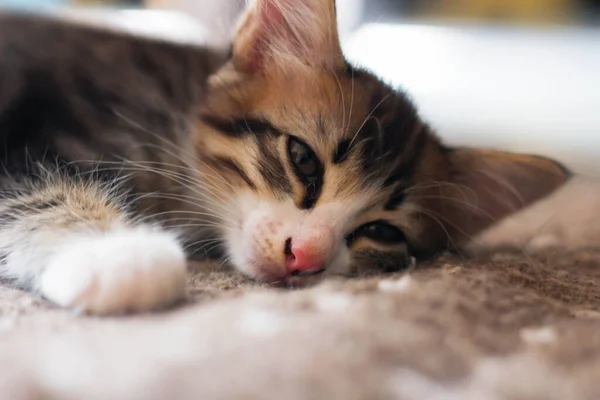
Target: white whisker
[368, 118]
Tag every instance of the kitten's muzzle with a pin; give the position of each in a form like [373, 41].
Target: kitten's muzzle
[307, 255]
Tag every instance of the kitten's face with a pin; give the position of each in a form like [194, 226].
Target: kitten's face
[322, 160]
[313, 166]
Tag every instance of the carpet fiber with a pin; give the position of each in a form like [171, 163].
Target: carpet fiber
[506, 326]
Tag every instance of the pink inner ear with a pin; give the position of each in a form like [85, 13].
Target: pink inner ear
[269, 22]
[296, 29]
[272, 25]
[270, 12]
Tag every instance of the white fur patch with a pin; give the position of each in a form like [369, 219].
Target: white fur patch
[397, 285]
[121, 270]
[538, 336]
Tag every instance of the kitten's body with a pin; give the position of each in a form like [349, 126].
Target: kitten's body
[93, 124]
[73, 95]
[297, 162]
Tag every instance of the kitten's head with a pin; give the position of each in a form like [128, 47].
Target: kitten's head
[314, 165]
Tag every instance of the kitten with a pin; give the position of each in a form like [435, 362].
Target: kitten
[119, 152]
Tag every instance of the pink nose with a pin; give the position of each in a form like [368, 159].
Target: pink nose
[304, 257]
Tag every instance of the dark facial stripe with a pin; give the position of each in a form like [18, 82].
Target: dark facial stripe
[313, 190]
[222, 163]
[406, 168]
[401, 175]
[341, 153]
[352, 71]
[387, 127]
[271, 168]
[238, 127]
[396, 198]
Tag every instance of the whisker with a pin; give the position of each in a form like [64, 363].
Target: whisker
[438, 219]
[225, 261]
[368, 118]
[183, 180]
[196, 159]
[185, 212]
[473, 207]
[182, 199]
[337, 79]
[507, 185]
[351, 102]
[205, 241]
[168, 142]
[432, 184]
[146, 130]
[210, 248]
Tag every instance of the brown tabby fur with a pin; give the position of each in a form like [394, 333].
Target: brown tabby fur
[103, 108]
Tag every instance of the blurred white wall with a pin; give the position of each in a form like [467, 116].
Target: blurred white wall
[216, 16]
[526, 90]
[219, 17]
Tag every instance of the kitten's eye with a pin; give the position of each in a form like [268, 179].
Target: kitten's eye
[303, 158]
[380, 231]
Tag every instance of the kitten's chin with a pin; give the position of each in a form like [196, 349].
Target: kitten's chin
[277, 275]
[265, 272]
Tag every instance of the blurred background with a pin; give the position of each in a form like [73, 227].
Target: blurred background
[519, 75]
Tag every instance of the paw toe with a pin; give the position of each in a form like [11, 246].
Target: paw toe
[133, 270]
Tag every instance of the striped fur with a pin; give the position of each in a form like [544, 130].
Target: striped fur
[109, 138]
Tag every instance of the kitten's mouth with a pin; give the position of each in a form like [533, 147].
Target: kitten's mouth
[298, 282]
[301, 274]
[294, 279]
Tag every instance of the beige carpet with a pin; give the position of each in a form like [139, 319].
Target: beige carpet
[508, 326]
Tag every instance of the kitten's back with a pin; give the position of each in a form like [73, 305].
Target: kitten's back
[85, 93]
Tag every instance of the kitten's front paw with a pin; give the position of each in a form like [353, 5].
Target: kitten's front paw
[133, 269]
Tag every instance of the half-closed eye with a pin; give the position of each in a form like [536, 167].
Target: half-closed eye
[379, 231]
[307, 167]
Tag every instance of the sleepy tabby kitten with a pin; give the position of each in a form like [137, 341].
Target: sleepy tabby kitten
[119, 153]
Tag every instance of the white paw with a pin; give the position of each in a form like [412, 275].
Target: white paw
[122, 270]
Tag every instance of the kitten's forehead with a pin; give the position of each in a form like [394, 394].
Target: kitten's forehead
[349, 117]
[365, 134]
[313, 104]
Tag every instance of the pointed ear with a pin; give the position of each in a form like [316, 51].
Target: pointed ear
[486, 186]
[279, 31]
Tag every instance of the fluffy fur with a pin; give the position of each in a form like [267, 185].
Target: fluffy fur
[288, 160]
